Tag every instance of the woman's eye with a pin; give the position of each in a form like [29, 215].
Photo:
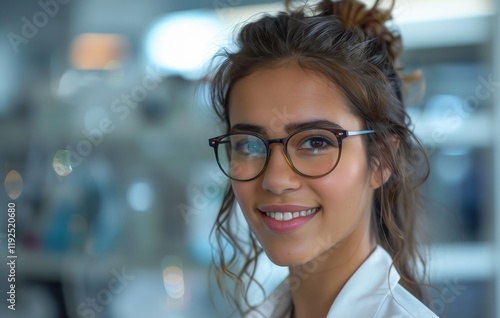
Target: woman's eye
[316, 143]
[250, 147]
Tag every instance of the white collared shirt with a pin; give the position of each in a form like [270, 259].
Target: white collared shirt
[370, 292]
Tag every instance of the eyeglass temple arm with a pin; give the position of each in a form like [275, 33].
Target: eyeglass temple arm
[359, 132]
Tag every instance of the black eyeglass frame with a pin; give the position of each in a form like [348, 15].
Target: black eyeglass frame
[340, 134]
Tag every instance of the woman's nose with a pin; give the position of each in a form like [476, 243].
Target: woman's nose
[279, 176]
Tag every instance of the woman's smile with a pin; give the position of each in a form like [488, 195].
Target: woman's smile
[286, 218]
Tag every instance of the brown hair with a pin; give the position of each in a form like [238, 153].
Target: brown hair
[349, 44]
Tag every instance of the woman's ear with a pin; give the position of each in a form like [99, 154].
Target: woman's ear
[381, 172]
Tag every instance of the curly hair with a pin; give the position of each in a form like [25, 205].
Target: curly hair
[351, 45]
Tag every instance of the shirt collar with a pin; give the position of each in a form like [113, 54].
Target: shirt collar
[369, 285]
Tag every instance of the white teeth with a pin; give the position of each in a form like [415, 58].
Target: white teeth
[286, 216]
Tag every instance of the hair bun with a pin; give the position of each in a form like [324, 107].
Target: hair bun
[372, 21]
[353, 13]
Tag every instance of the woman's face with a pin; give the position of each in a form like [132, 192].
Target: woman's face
[270, 101]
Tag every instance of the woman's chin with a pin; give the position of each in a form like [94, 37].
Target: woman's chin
[287, 260]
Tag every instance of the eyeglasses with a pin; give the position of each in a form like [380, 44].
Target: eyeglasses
[309, 152]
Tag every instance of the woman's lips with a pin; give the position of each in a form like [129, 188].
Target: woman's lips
[287, 218]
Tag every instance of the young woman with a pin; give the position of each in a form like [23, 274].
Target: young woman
[322, 163]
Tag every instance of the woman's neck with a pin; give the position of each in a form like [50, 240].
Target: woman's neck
[316, 284]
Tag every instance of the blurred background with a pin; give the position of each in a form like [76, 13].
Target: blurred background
[103, 145]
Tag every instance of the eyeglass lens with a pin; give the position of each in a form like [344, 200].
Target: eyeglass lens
[312, 152]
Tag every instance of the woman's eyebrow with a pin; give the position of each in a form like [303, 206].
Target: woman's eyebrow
[289, 128]
[320, 123]
[248, 128]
